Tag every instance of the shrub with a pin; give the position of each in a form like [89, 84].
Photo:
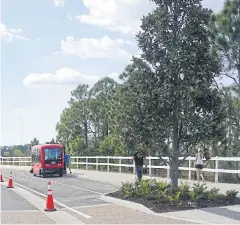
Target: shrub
[231, 194]
[175, 198]
[145, 189]
[152, 189]
[199, 192]
[127, 189]
[185, 190]
[213, 193]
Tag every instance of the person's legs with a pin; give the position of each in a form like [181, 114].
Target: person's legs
[139, 172]
[69, 167]
[201, 175]
[198, 174]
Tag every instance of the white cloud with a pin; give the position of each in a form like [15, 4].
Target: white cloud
[59, 3]
[92, 48]
[10, 34]
[63, 76]
[124, 15]
[116, 15]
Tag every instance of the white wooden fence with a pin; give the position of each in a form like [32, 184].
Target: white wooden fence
[120, 163]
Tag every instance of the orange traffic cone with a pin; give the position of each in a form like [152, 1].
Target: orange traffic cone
[1, 177]
[50, 204]
[10, 182]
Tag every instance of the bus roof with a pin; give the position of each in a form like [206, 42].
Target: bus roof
[47, 145]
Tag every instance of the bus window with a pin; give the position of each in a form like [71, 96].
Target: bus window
[52, 155]
[33, 155]
[38, 155]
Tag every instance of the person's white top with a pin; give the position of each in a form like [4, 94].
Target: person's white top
[199, 160]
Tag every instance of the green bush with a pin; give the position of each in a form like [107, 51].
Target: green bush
[185, 190]
[199, 192]
[231, 194]
[161, 192]
[213, 193]
[127, 189]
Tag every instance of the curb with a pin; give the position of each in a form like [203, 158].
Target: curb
[127, 204]
[141, 208]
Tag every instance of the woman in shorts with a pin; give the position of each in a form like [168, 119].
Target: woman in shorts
[199, 165]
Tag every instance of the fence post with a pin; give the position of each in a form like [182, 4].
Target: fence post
[13, 161]
[134, 167]
[77, 162]
[216, 170]
[150, 166]
[86, 163]
[19, 159]
[190, 171]
[168, 170]
[108, 160]
[96, 162]
[120, 167]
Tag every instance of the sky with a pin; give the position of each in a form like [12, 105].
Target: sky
[48, 47]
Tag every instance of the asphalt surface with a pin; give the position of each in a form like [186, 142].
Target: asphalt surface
[12, 201]
[71, 190]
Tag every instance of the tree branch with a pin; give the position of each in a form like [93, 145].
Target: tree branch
[164, 160]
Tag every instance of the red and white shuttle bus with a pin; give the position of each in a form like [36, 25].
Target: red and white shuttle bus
[47, 159]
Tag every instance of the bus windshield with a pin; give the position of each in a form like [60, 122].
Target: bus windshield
[52, 155]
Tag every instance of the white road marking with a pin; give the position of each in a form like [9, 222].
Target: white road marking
[91, 206]
[57, 216]
[57, 202]
[83, 189]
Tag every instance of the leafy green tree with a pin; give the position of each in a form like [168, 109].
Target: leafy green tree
[225, 32]
[170, 100]
[35, 141]
[101, 95]
[6, 154]
[18, 153]
[112, 146]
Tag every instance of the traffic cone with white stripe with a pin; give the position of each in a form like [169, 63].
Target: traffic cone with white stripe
[10, 182]
[1, 177]
[50, 204]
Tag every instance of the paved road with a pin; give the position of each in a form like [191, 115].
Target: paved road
[70, 190]
[76, 199]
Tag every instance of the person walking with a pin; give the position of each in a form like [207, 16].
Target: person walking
[68, 162]
[199, 165]
[139, 159]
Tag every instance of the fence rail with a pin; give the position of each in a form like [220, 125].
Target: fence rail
[125, 164]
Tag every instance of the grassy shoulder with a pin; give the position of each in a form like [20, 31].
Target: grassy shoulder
[159, 197]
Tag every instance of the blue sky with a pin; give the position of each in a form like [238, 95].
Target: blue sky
[79, 40]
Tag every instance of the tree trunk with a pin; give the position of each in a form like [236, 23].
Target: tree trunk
[174, 172]
[86, 133]
[175, 153]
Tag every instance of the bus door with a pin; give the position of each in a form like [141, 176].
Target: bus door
[64, 170]
[36, 160]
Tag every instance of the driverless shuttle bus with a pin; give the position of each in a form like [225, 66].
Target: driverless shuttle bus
[47, 159]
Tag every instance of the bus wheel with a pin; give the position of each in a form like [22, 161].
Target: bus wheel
[34, 174]
[60, 175]
[43, 175]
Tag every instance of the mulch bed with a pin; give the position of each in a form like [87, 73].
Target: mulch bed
[163, 207]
